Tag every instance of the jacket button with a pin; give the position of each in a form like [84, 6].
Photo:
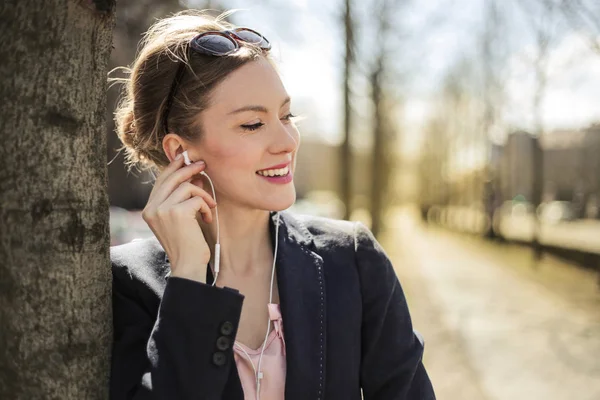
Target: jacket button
[227, 328]
[223, 343]
[219, 359]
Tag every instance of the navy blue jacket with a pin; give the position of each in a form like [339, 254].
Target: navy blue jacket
[345, 318]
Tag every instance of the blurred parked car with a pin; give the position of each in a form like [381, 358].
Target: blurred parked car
[126, 225]
[556, 211]
[515, 220]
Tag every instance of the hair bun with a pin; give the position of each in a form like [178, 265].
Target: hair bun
[128, 133]
[126, 128]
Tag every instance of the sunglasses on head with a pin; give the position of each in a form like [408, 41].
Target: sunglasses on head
[215, 43]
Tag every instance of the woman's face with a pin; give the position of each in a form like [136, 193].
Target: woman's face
[247, 129]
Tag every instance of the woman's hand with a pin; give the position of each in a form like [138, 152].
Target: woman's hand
[171, 214]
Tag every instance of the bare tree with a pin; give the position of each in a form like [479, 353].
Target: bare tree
[55, 304]
[493, 59]
[380, 170]
[346, 150]
[433, 190]
[582, 16]
[543, 22]
[383, 76]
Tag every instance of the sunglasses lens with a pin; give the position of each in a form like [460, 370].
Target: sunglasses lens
[253, 37]
[215, 44]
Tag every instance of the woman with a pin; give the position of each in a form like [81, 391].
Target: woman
[301, 307]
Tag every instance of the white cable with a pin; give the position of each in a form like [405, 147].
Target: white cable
[187, 161]
[259, 375]
[218, 244]
[248, 356]
[257, 371]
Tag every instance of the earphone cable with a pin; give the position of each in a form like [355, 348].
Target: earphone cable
[259, 374]
[257, 371]
[218, 245]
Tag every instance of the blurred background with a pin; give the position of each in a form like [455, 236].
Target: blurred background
[466, 135]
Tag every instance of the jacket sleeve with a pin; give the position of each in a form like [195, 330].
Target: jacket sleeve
[183, 353]
[392, 351]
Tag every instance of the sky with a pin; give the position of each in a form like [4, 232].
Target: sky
[307, 40]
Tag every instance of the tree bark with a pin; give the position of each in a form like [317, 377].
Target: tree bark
[55, 296]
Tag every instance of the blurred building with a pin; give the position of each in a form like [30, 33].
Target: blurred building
[515, 169]
[570, 170]
[564, 162]
[591, 165]
[571, 167]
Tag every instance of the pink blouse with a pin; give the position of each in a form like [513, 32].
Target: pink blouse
[273, 362]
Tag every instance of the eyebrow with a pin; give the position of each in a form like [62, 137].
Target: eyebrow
[257, 107]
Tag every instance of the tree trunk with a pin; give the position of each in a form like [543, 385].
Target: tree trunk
[541, 75]
[346, 149]
[55, 296]
[378, 182]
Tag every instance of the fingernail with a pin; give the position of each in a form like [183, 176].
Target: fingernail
[200, 162]
[178, 156]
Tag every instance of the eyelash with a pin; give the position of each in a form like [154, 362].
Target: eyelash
[260, 124]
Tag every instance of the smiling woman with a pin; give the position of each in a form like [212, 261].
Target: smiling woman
[204, 98]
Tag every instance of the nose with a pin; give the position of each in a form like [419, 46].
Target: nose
[285, 138]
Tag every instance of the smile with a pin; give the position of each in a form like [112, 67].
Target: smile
[274, 172]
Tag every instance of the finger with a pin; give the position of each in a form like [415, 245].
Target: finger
[197, 205]
[163, 189]
[185, 173]
[185, 191]
[173, 166]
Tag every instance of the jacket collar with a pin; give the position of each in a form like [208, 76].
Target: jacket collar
[301, 283]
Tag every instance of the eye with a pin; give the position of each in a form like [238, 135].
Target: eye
[289, 116]
[252, 127]
[258, 125]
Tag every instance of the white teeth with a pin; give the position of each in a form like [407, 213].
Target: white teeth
[274, 172]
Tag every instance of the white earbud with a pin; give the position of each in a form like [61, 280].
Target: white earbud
[187, 161]
[186, 158]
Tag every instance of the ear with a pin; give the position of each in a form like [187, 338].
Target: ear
[173, 145]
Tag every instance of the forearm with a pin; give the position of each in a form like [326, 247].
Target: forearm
[179, 358]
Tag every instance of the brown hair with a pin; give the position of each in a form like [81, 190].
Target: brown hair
[139, 115]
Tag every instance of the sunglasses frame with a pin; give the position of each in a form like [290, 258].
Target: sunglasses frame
[233, 37]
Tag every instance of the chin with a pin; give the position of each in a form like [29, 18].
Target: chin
[282, 202]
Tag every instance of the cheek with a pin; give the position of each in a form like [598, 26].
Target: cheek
[221, 152]
[229, 156]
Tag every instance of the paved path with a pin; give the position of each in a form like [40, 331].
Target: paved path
[496, 325]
